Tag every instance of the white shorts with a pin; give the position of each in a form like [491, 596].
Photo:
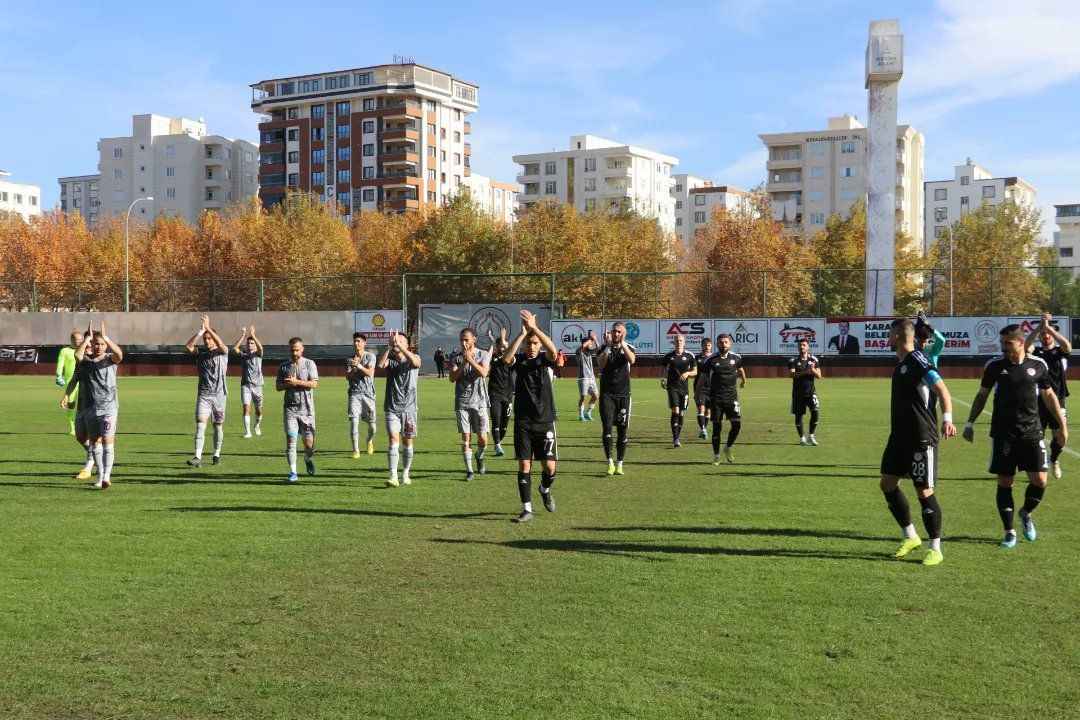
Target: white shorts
[95, 426]
[251, 395]
[363, 407]
[401, 423]
[212, 407]
[299, 425]
[587, 386]
[473, 420]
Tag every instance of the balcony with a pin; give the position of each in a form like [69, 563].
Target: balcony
[400, 158]
[401, 134]
[784, 163]
[468, 127]
[468, 148]
[402, 109]
[394, 202]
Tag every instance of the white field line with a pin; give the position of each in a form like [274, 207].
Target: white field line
[1064, 449]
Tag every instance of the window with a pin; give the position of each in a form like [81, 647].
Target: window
[343, 108]
[361, 79]
[457, 158]
[1065, 252]
[965, 201]
[549, 167]
[142, 168]
[534, 189]
[941, 214]
[939, 231]
[293, 180]
[369, 194]
[170, 193]
[847, 147]
[307, 86]
[590, 184]
[369, 150]
[941, 194]
[338, 81]
[318, 112]
[75, 203]
[369, 103]
[286, 88]
[369, 126]
[847, 172]
[117, 173]
[457, 181]
[431, 151]
[817, 218]
[318, 178]
[442, 155]
[442, 133]
[699, 199]
[343, 131]
[590, 204]
[989, 191]
[369, 172]
[117, 152]
[170, 172]
[274, 158]
[590, 164]
[431, 175]
[318, 134]
[344, 176]
[294, 156]
[293, 113]
[965, 179]
[344, 153]
[699, 216]
[318, 157]
[678, 222]
[817, 171]
[550, 187]
[457, 136]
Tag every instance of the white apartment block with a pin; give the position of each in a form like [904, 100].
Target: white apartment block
[1067, 237]
[81, 194]
[178, 163]
[600, 174]
[392, 138]
[19, 198]
[817, 173]
[695, 200]
[497, 199]
[972, 185]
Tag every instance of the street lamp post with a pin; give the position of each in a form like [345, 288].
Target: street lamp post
[127, 276]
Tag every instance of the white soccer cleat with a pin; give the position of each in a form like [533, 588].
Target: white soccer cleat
[1057, 470]
[258, 430]
[803, 440]
[392, 481]
[405, 479]
[247, 435]
[812, 440]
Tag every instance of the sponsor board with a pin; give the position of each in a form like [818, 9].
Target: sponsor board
[748, 337]
[1027, 324]
[641, 334]
[377, 324]
[19, 355]
[694, 329]
[440, 325]
[785, 333]
[568, 334]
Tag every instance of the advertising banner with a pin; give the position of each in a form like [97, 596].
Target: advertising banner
[441, 324]
[748, 337]
[969, 335]
[858, 336]
[694, 329]
[785, 333]
[1060, 323]
[377, 324]
[19, 355]
[568, 334]
[642, 334]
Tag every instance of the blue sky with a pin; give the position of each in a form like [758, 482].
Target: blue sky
[996, 80]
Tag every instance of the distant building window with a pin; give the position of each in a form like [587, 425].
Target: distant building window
[294, 156]
[1065, 252]
[318, 112]
[699, 216]
[678, 187]
[457, 158]
[369, 150]
[318, 157]
[989, 191]
[817, 171]
[549, 167]
[318, 178]
[117, 152]
[369, 103]
[939, 231]
[817, 218]
[170, 151]
[678, 222]
[318, 133]
[847, 172]
[847, 147]
[457, 136]
[293, 113]
[343, 131]
[590, 184]
[293, 180]
[369, 126]
[170, 193]
[344, 176]
[965, 201]
[369, 172]
[170, 172]
[941, 194]
[344, 107]
[344, 153]
[941, 214]
[361, 79]
[699, 199]
[369, 194]
[530, 188]
[286, 88]
[590, 164]
[590, 204]
[309, 86]
[550, 187]
[965, 179]
[117, 173]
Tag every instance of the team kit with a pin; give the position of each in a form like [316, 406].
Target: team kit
[513, 377]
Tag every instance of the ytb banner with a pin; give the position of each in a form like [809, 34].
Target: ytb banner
[748, 337]
[693, 329]
[568, 334]
[785, 334]
[641, 334]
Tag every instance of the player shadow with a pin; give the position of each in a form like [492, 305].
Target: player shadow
[491, 516]
[750, 473]
[813, 465]
[260, 479]
[643, 550]
[58, 485]
[775, 532]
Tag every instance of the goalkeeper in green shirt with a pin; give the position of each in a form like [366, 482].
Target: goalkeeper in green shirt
[65, 368]
[929, 341]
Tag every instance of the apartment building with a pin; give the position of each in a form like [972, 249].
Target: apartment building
[1067, 237]
[813, 174]
[695, 200]
[498, 199]
[81, 194]
[971, 186]
[404, 127]
[19, 198]
[596, 173]
[179, 164]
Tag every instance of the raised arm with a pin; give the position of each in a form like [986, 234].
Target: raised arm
[631, 356]
[80, 352]
[240, 341]
[258, 342]
[114, 350]
[384, 361]
[528, 321]
[194, 340]
[510, 356]
[222, 347]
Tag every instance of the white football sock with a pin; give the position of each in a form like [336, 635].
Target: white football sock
[467, 455]
[247, 424]
[392, 454]
[935, 544]
[290, 454]
[354, 433]
[219, 437]
[408, 458]
[370, 431]
[909, 531]
[89, 457]
[200, 438]
[99, 459]
[527, 506]
[107, 454]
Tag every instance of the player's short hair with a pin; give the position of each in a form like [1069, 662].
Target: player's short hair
[96, 335]
[802, 340]
[923, 332]
[529, 336]
[359, 336]
[1012, 332]
[723, 335]
[904, 326]
[468, 330]
[294, 340]
[619, 323]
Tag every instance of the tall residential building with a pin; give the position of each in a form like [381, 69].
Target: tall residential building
[175, 161]
[19, 198]
[497, 199]
[596, 173]
[81, 194]
[695, 200]
[405, 125]
[817, 173]
[972, 185]
[1067, 237]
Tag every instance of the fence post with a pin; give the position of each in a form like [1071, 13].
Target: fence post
[817, 292]
[933, 288]
[764, 293]
[708, 293]
[991, 291]
[353, 283]
[33, 296]
[603, 296]
[551, 307]
[261, 302]
[405, 305]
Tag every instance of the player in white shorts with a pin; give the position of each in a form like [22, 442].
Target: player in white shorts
[297, 378]
[360, 373]
[95, 373]
[399, 404]
[250, 350]
[586, 382]
[468, 369]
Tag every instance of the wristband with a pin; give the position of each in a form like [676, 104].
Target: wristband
[947, 417]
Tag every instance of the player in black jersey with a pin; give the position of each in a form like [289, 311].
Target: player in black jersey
[679, 366]
[614, 359]
[724, 369]
[805, 369]
[701, 389]
[911, 450]
[1019, 380]
[534, 412]
[500, 390]
[1055, 350]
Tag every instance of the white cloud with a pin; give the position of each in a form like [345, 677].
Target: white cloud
[746, 171]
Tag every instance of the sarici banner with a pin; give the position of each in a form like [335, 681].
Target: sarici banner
[748, 337]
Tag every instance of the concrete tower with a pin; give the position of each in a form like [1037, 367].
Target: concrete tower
[884, 67]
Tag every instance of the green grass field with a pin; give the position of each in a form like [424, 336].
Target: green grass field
[762, 589]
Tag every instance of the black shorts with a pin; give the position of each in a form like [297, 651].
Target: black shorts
[701, 396]
[677, 398]
[535, 441]
[1025, 455]
[500, 410]
[913, 459]
[725, 408]
[801, 403]
[1046, 417]
[615, 410]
